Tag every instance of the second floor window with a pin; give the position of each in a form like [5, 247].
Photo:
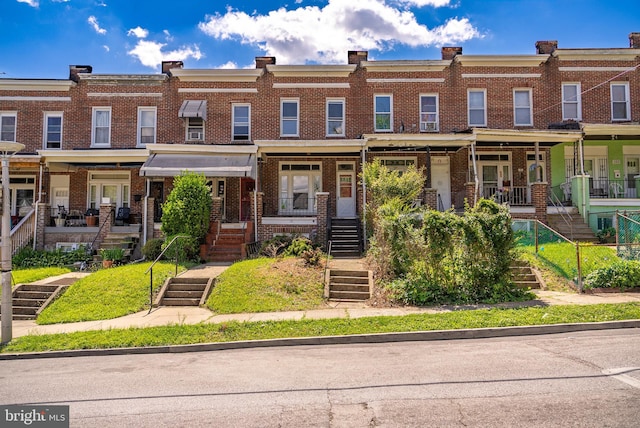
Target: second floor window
[53, 130]
[146, 125]
[241, 115]
[477, 110]
[7, 126]
[195, 129]
[335, 117]
[101, 135]
[429, 113]
[383, 105]
[289, 114]
[571, 102]
[522, 107]
[620, 108]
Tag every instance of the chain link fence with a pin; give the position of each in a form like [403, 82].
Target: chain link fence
[627, 234]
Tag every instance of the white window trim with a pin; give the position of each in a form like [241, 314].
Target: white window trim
[375, 113]
[11, 114]
[529, 107]
[627, 101]
[282, 102]
[313, 190]
[155, 125]
[188, 125]
[233, 120]
[94, 110]
[437, 113]
[45, 128]
[408, 161]
[578, 100]
[484, 108]
[100, 178]
[342, 119]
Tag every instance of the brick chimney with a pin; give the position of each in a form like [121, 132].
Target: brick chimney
[356, 57]
[546, 47]
[450, 52]
[74, 70]
[168, 65]
[634, 40]
[263, 61]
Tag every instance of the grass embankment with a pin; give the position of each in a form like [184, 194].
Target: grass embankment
[235, 331]
[24, 276]
[107, 293]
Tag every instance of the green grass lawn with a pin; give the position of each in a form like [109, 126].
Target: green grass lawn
[24, 276]
[107, 293]
[267, 285]
[235, 331]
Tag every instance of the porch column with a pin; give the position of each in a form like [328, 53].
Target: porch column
[470, 193]
[107, 213]
[256, 215]
[431, 198]
[216, 209]
[41, 222]
[539, 195]
[322, 218]
[151, 213]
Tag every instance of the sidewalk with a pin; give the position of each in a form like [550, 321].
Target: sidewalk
[194, 315]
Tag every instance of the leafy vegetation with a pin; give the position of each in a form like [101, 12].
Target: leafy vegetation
[113, 254]
[152, 249]
[27, 257]
[25, 276]
[621, 274]
[188, 207]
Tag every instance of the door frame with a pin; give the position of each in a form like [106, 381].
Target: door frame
[352, 173]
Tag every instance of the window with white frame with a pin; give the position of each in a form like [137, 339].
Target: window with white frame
[383, 111]
[620, 108]
[241, 122]
[52, 130]
[335, 117]
[289, 117]
[195, 129]
[101, 129]
[299, 183]
[146, 125]
[21, 194]
[400, 164]
[429, 113]
[522, 107]
[571, 101]
[477, 107]
[112, 185]
[8, 125]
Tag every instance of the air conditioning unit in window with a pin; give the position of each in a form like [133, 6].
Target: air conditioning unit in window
[195, 135]
[429, 126]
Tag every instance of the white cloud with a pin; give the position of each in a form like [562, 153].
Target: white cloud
[106, 48]
[93, 21]
[61, 1]
[139, 32]
[32, 3]
[423, 3]
[167, 35]
[293, 36]
[228, 65]
[150, 53]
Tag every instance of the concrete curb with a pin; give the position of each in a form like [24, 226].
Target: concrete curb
[419, 336]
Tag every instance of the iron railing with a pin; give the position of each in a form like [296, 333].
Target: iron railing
[512, 195]
[302, 205]
[150, 269]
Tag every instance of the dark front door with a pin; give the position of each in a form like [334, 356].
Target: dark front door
[247, 185]
[157, 193]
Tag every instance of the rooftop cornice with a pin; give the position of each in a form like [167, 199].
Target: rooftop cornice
[36, 85]
[122, 77]
[94, 155]
[423, 139]
[247, 75]
[311, 70]
[610, 129]
[519, 135]
[620, 54]
[501, 60]
[208, 149]
[405, 66]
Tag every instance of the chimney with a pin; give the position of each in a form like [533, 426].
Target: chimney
[168, 65]
[74, 70]
[546, 47]
[634, 40]
[263, 61]
[356, 57]
[450, 52]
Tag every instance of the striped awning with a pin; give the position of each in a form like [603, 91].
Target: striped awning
[193, 108]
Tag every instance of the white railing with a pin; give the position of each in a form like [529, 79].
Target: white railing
[22, 233]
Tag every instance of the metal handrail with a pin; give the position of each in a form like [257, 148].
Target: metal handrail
[562, 210]
[95, 238]
[150, 269]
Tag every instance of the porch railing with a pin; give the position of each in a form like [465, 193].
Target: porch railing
[604, 188]
[301, 205]
[512, 195]
[22, 233]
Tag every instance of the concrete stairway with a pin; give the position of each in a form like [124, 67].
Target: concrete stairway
[184, 292]
[578, 231]
[30, 299]
[126, 237]
[345, 237]
[524, 276]
[349, 285]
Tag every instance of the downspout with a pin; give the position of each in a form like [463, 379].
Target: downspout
[475, 172]
[582, 174]
[35, 229]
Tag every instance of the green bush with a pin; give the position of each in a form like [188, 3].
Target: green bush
[275, 246]
[152, 249]
[185, 249]
[298, 246]
[621, 274]
[312, 256]
[188, 207]
[28, 257]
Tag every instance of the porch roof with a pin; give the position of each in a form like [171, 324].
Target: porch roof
[211, 165]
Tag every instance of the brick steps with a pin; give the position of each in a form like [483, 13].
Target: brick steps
[225, 245]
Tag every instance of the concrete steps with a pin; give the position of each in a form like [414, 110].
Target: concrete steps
[128, 240]
[349, 285]
[578, 231]
[345, 238]
[30, 299]
[524, 276]
[184, 292]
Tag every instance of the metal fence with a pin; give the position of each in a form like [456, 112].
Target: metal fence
[627, 234]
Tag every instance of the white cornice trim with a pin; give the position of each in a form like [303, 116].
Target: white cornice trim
[412, 140]
[501, 60]
[25, 98]
[610, 129]
[218, 90]
[94, 156]
[124, 94]
[517, 135]
[217, 75]
[501, 75]
[408, 80]
[600, 69]
[316, 85]
[407, 66]
[311, 70]
[309, 146]
[36, 85]
[209, 149]
[153, 78]
[620, 54]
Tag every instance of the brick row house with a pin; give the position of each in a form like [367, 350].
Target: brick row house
[282, 145]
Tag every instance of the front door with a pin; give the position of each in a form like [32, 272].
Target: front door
[346, 181]
[247, 185]
[632, 170]
[441, 181]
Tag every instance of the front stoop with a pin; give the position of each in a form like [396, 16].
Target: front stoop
[348, 285]
[524, 276]
[31, 299]
[180, 291]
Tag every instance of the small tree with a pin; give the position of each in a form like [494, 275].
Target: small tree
[188, 207]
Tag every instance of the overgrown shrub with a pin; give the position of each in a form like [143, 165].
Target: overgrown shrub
[185, 249]
[28, 257]
[275, 246]
[152, 249]
[621, 274]
[298, 246]
[312, 256]
[188, 207]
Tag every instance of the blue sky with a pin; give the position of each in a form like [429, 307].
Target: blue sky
[41, 38]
